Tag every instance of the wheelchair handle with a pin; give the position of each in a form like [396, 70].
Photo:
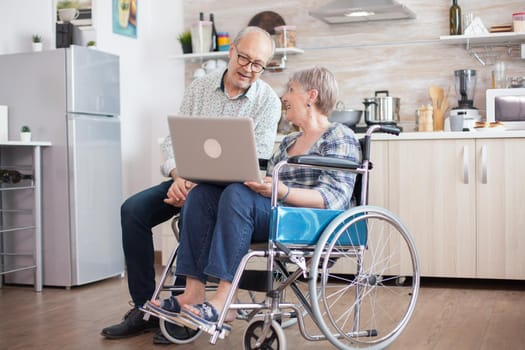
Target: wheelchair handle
[388, 129]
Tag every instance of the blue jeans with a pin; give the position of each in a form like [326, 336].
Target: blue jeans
[139, 214]
[218, 224]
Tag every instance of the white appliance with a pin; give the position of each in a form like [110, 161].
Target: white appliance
[71, 98]
[506, 106]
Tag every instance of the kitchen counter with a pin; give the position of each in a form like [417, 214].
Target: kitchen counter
[443, 135]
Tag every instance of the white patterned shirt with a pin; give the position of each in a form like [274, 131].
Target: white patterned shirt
[206, 97]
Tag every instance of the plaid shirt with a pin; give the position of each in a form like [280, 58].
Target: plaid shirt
[336, 187]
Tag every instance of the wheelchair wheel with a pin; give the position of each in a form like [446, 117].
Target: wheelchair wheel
[178, 334]
[366, 270]
[274, 340]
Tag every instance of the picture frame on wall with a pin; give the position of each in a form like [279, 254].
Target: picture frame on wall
[125, 17]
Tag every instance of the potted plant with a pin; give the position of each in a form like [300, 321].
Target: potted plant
[91, 44]
[185, 41]
[67, 4]
[25, 134]
[68, 10]
[37, 42]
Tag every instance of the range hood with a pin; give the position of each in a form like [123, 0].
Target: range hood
[349, 11]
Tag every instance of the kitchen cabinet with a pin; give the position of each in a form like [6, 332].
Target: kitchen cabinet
[435, 199]
[461, 199]
[500, 208]
[21, 216]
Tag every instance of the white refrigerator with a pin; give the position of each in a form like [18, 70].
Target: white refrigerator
[70, 97]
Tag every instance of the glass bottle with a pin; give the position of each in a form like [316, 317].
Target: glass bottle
[13, 176]
[214, 46]
[455, 18]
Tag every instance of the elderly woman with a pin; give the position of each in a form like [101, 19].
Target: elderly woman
[218, 223]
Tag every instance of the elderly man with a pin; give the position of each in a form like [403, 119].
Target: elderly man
[234, 91]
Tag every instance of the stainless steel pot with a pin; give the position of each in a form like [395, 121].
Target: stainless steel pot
[381, 109]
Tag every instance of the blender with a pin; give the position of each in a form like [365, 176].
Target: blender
[465, 86]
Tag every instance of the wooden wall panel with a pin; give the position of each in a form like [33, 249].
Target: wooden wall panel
[402, 56]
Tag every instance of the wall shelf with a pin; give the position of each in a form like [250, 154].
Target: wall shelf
[484, 48]
[219, 54]
[487, 39]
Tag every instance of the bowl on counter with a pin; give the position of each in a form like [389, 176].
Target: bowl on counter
[348, 117]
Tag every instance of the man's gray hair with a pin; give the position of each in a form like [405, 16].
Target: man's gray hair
[252, 29]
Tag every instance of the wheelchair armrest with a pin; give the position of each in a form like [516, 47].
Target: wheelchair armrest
[324, 161]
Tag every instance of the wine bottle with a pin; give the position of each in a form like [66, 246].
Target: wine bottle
[455, 18]
[214, 45]
[13, 176]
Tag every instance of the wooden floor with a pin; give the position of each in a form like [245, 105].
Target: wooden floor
[451, 314]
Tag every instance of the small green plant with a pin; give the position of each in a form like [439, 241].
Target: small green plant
[67, 4]
[25, 128]
[185, 38]
[36, 38]
[91, 43]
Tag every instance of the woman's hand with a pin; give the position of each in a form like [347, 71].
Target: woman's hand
[178, 192]
[265, 188]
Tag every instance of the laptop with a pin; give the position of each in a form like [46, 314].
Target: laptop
[214, 150]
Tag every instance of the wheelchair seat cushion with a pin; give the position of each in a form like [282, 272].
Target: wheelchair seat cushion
[304, 226]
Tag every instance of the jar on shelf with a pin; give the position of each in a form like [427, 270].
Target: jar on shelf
[285, 36]
[223, 41]
[518, 22]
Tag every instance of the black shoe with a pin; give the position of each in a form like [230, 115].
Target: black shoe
[159, 338]
[132, 324]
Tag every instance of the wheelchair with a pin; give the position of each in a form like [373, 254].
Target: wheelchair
[349, 277]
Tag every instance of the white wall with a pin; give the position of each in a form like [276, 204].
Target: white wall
[20, 19]
[151, 84]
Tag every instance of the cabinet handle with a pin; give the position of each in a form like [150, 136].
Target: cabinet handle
[484, 164]
[465, 165]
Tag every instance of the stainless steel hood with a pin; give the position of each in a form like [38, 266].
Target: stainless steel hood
[349, 11]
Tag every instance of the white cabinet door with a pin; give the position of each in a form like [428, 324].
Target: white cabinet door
[432, 190]
[501, 208]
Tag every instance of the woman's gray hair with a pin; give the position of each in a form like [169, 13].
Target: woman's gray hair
[322, 80]
[252, 29]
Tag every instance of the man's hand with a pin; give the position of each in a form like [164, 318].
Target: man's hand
[178, 192]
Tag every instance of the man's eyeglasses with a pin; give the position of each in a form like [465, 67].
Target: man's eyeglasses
[243, 61]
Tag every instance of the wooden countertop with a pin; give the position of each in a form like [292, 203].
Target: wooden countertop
[442, 135]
